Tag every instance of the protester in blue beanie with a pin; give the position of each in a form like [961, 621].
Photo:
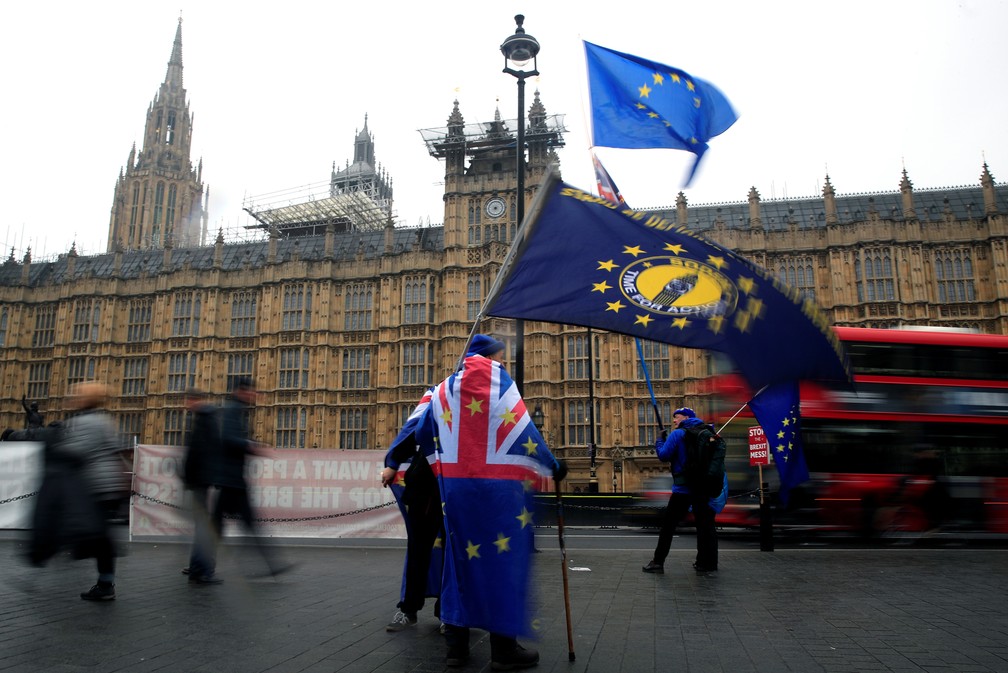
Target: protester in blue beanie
[485, 345]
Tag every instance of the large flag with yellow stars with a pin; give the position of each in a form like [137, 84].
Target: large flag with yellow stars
[637, 103]
[489, 455]
[581, 260]
[777, 410]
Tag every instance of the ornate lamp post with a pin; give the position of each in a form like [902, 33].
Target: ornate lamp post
[519, 50]
[539, 418]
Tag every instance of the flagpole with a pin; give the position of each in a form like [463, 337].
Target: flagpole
[563, 567]
[647, 379]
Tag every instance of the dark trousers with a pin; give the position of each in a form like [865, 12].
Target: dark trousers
[678, 506]
[234, 500]
[457, 638]
[424, 525]
[707, 544]
[104, 546]
[201, 555]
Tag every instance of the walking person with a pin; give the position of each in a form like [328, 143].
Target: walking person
[236, 445]
[686, 494]
[202, 449]
[83, 489]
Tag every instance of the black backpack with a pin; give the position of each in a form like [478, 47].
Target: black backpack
[705, 460]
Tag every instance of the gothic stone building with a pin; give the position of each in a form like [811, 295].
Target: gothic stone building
[343, 324]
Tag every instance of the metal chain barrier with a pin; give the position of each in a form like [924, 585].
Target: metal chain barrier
[569, 505]
[319, 517]
[18, 497]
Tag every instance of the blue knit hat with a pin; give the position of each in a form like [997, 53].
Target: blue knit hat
[485, 345]
[684, 411]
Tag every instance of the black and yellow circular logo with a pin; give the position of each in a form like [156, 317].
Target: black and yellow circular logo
[673, 286]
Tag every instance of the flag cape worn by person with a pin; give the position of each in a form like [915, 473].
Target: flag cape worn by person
[637, 103]
[398, 488]
[487, 456]
[776, 408]
[580, 260]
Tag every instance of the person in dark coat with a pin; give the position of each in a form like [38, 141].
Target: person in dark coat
[83, 488]
[420, 502]
[236, 445]
[202, 448]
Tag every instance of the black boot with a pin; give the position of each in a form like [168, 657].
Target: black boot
[507, 655]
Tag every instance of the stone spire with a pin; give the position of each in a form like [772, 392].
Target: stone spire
[990, 199]
[906, 189]
[174, 74]
[755, 220]
[829, 198]
[682, 215]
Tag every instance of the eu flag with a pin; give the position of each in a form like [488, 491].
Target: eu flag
[488, 455]
[637, 103]
[776, 408]
[581, 260]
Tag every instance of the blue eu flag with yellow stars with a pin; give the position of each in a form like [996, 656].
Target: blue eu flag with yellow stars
[637, 103]
[582, 260]
[776, 408]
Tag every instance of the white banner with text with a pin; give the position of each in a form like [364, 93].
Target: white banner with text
[307, 493]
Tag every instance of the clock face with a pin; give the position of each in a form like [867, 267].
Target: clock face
[495, 207]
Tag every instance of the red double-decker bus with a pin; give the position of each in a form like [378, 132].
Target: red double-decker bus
[920, 444]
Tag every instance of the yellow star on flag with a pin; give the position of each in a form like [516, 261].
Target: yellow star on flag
[681, 323]
[615, 306]
[525, 517]
[632, 250]
[508, 417]
[601, 287]
[643, 320]
[472, 550]
[502, 543]
[607, 265]
[658, 78]
[746, 284]
[645, 91]
[675, 77]
[475, 407]
[717, 261]
[674, 248]
[446, 416]
[531, 447]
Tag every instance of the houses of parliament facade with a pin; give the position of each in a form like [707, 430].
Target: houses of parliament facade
[343, 319]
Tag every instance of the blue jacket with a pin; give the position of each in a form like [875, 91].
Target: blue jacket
[673, 451]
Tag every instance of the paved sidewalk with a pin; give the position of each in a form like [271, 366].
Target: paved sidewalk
[818, 609]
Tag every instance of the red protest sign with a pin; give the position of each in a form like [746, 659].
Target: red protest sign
[759, 448]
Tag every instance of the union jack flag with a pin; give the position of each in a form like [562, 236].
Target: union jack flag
[607, 189]
[487, 453]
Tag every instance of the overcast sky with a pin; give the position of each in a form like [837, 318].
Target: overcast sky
[279, 90]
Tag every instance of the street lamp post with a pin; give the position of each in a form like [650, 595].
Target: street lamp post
[519, 49]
